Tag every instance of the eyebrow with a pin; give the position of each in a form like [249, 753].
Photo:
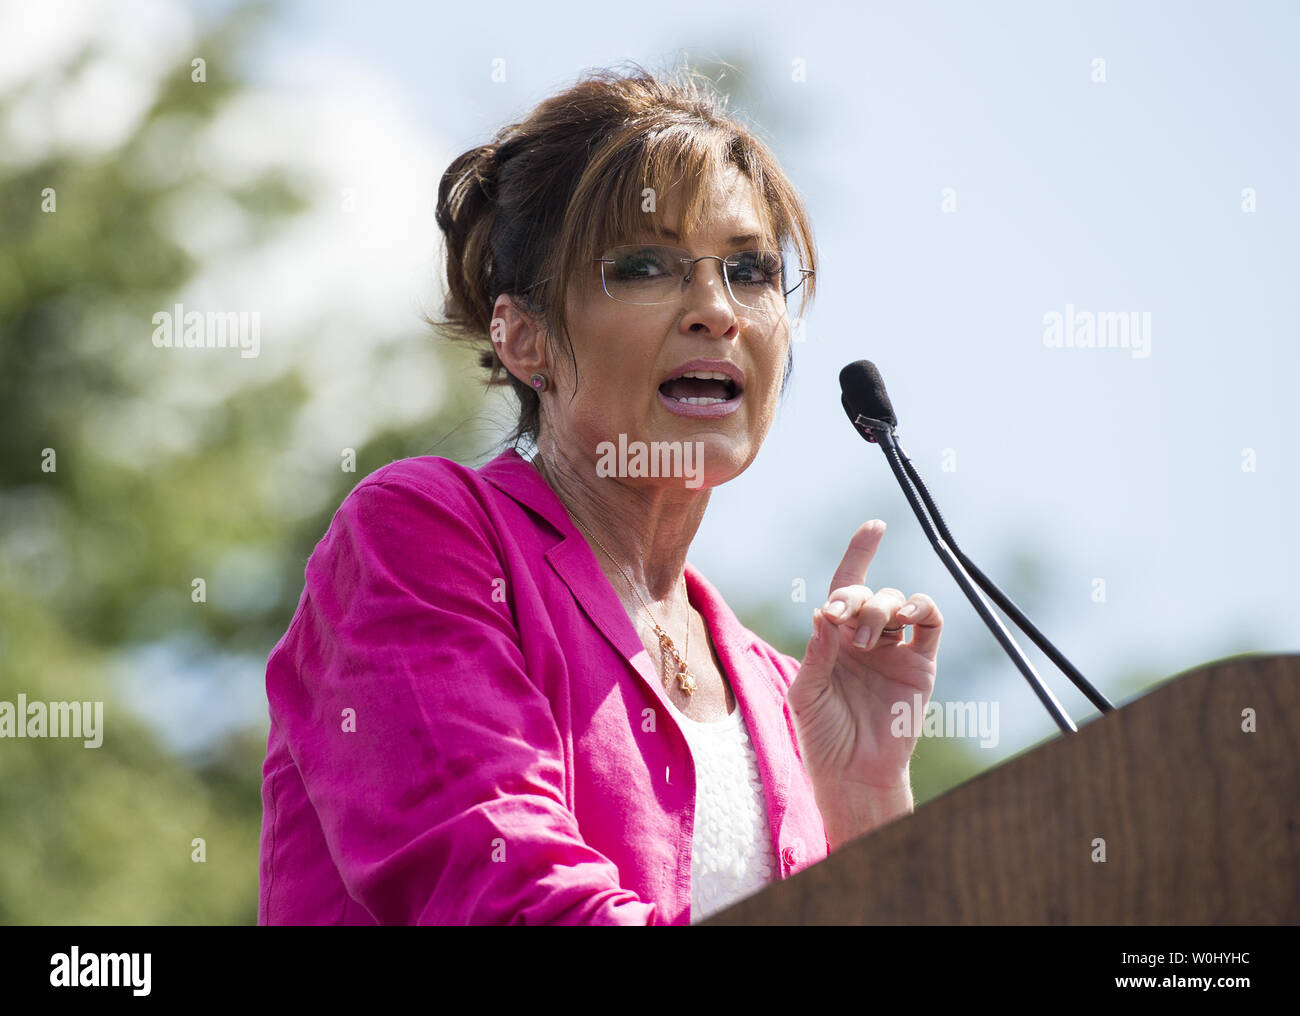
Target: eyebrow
[672, 235]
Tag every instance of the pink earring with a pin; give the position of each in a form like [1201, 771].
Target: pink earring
[539, 382]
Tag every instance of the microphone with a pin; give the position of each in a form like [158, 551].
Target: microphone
[868, 407]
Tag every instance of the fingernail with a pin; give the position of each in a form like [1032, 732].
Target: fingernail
[908, 611]
[862, 638]
[835, 608]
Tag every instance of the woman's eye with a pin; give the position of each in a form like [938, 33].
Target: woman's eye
[642, 265]
[755, 268]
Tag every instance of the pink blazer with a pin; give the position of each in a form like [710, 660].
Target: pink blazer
[466, 728]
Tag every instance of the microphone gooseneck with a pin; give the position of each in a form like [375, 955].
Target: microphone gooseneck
[867, 405]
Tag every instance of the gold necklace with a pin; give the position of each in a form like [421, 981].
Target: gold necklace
[684, 677]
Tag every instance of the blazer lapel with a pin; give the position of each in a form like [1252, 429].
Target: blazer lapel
[575, 563]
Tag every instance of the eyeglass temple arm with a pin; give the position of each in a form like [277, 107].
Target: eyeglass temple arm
[803, 277]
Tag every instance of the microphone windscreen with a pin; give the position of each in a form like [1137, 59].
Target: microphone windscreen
[863, 393]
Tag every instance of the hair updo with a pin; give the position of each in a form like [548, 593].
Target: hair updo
[524, 214]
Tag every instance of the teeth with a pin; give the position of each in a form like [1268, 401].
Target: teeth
[707, 375]
[700, 402]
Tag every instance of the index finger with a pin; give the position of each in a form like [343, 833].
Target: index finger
[857, 559]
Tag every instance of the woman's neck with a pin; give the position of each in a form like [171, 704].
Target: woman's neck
[647, 528]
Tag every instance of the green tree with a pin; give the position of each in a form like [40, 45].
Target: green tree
[101, 534]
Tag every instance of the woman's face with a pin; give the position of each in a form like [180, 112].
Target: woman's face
[628, 354]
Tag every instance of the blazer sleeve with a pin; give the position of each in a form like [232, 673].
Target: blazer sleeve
[431, 757]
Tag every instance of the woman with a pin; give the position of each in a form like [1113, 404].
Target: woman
[506, 696]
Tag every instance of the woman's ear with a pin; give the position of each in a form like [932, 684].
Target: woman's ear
[517, 336]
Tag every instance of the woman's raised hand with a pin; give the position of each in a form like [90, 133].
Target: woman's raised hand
[854, 672]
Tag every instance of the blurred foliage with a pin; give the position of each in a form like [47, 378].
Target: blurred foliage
[96, 556]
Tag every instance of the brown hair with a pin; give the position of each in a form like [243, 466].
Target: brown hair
[524, 214]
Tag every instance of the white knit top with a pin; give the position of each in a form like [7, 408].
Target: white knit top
[731, 850]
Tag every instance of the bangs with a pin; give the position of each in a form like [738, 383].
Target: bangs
[629, 181]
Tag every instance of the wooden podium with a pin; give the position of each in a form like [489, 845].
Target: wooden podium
[1201, 823]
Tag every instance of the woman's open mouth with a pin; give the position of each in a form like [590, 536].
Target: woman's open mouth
[701, 393]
